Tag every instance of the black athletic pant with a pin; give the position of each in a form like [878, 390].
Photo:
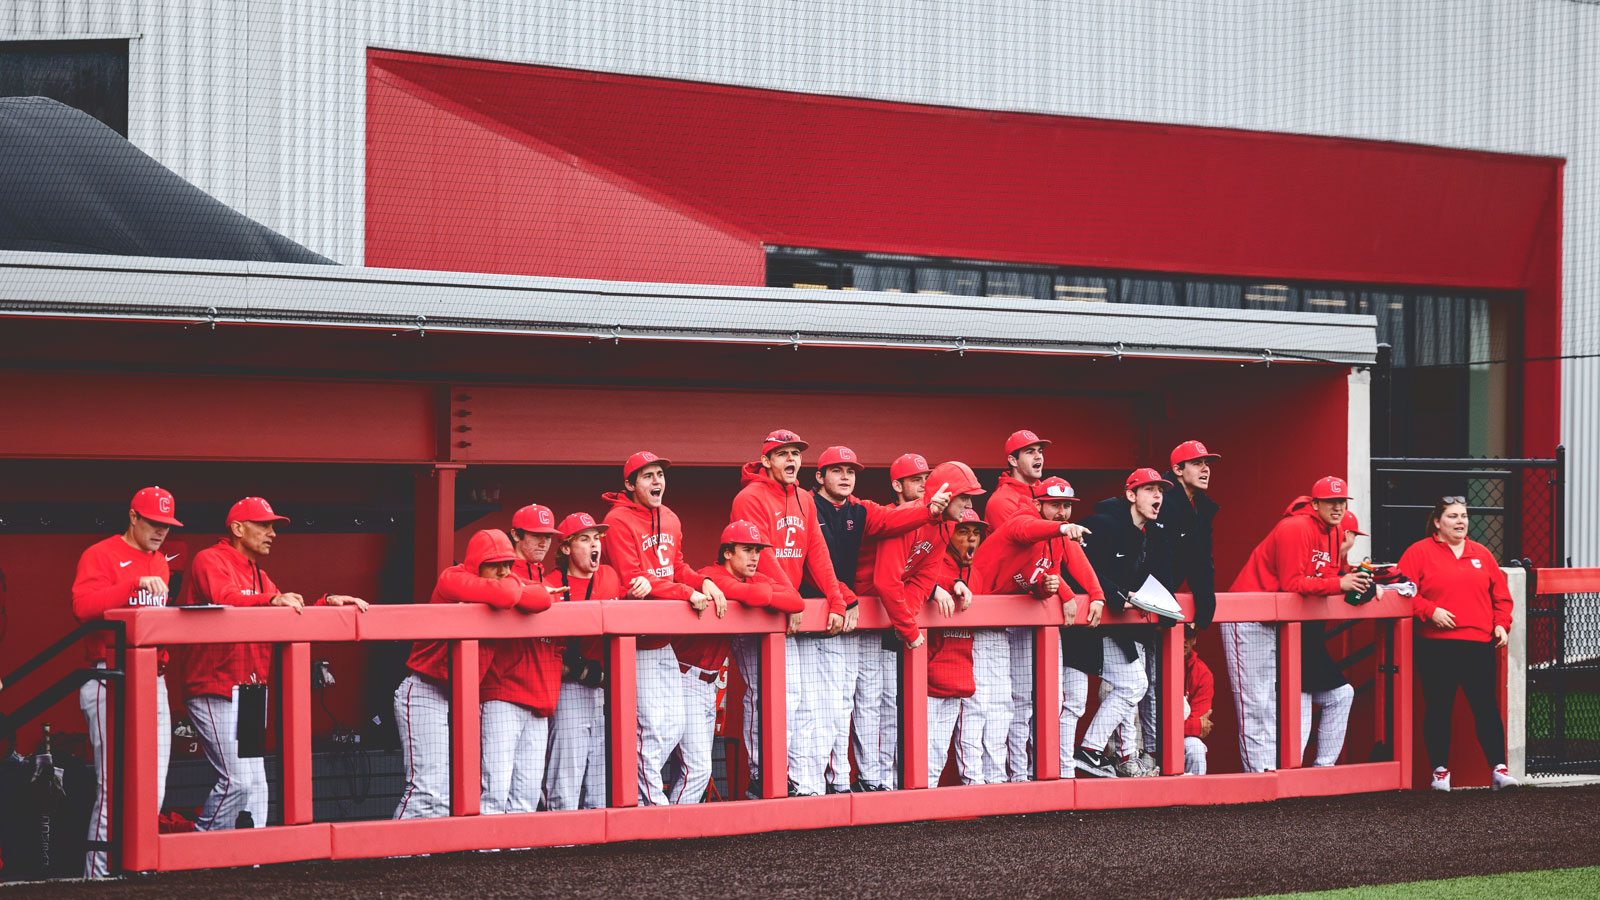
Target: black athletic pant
[1444, 666]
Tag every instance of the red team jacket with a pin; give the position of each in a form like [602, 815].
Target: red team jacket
[1300, 555]
[525, 671]
[1021, 551]
[949, 649]
[710, 651]
[461, 583]
[1010, 497]
[648, 542]
[1199, 689]
[895, 557]
[789, 516]
[221, 574]
[108, 578]
[1473, 588]
[605, 584]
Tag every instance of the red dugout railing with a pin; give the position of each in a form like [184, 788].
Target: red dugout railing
[302, 838]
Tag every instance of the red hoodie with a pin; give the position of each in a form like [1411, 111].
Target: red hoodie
[222, 574]
[649, 542]
[709, 651]
[1010, 497]
[1199, 689]
[461, 583]
[108, 578]
[1021, 551]
[1473, 588]
[525, 671]
[1300, 556]
[790, 517]
[604, 584]
[949, 649]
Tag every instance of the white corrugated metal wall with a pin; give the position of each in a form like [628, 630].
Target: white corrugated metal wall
[261, 102]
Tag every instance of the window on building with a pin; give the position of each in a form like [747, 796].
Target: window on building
[87, 75]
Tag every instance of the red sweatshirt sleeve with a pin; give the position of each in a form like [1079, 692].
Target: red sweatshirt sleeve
[1292, 553]
[1412, 563]
[209, 578]
[757, 592]
[1077, 565]
[888, 521]
[624, 548]
[888, 578]
[456, 585]
[533, 598]
[1025, 531]
[96, 587]
[1200, 693]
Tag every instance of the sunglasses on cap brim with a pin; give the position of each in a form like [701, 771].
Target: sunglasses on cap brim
[1057, 492]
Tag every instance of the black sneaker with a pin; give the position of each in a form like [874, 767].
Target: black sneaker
[1093, 763]
[835, 789]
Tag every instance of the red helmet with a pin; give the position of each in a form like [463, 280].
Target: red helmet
[535, 519]
[640, 460]
[1192, 450]
[908, 465]
[956, 477]
[579, 521]
[840, 456]
[1330, 487]
[740, 531]
[1141, 477]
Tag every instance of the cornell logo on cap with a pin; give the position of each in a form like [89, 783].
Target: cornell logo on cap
[586, 519]
[545, 517]
[755, 534]
[164, 503]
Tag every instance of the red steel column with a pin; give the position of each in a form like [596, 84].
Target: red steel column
[1289, 695]
[445, 516]
[624, 765]
[1047, 703]
[295, 688]
[140, 829]
[1170, 646]
[466, 742]
[774, 719]
[1405, 724]
[914, 717]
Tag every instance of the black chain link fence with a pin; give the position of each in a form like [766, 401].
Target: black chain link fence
[1563, 722]
[1515, 504]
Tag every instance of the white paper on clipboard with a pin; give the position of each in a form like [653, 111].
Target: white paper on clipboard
[1153, 597]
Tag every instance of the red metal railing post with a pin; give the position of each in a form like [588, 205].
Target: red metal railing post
[294, 662]
[914, 717]
[1404, 716]
[1046, 703]
[1170, 646]
[466, 742]
[1289, 695]
[140, 829]
[624, 758]
[774, 718]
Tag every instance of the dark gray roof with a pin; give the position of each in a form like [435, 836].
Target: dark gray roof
[70, 184]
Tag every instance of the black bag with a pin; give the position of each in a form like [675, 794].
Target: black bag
[252, 726]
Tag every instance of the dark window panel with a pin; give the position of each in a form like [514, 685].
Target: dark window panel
[1157, 291]
[1213, 294]
[964, 282]
[88, 75]
[1085, 288]
[1272, 295]
[1013, 283]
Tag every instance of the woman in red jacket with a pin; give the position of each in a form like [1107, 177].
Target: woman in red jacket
[1465, 605]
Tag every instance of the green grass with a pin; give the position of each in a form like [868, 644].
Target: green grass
[1558, 883]
[1583, 716]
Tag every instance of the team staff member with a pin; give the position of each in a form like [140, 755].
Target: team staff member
[1014, 493]
[1199, 691]
[422, 701]
[772, 499]
[575, 777]
[851, 664]
[645, 545]
[1300, 556]
[1024, 555]
[125, 570]
[1126, 545]
[1465, 607]
[229, 573]
[704, 658]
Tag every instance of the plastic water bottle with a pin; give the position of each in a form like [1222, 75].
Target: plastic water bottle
[1355, 597]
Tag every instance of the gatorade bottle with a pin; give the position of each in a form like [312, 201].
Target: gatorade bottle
[1356, 598]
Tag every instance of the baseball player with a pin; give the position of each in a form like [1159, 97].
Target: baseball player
[851, 669]
[229, 573]
[422, 701]
[645, 545]
[1023, 555]
[1014, 493]
[704, 658]
[1322, 683]
[1198, 692]
[1300, 556]
[1126, 545]
[575, 777]
[124, 570]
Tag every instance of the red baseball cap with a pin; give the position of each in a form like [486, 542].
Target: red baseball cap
[640, 460]
[969, 516]
[1192, 450]
[840, 456]
[1023, 438]
[1330, 487]
[535, 519]
[1140, 477]
[783, 437]
[579, 521]
[156, 504]
[740, 531]
[253, 509]
[907, 465]
[1349, 522]
[1054, 488]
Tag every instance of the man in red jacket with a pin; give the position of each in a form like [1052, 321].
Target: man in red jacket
[704, 658]
[229, 574]
[124, 570]
[645, 544]
[772, 499]
[422, 701]
[1300, 556]
[1014, 493]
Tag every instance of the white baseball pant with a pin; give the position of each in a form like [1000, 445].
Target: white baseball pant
[1127, 679]
[943, 713]
[515, 741]
[699, 734]
[799, 664]
[1194, 755]
[1074, 700]
[659, 705]
[241, 783]
[1019, 736]
[883, 748]
[575, 776]
[1139, 732]
[92, 699]
[422, 716]
[858, 724]
[838, 669]
[1250, 650]
[986, 715]
[1335, 718]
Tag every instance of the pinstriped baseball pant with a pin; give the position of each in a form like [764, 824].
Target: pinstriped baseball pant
[241, 783]
[575, 775]
[92, 699]
[943, 713]
[986, 715]
[515, 740]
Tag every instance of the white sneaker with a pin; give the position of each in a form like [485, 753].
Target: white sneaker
[1500, 779]
[1441, 779]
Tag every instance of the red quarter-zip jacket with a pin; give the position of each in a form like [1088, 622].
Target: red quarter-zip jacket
[1473, 588]
[1022, 550]
[108, 578]
[224, 575]
[1300, 556]
[709, 651]
[461, 583]
[790, 517]
[649, 542]
[949, 649]
[1010, 497]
